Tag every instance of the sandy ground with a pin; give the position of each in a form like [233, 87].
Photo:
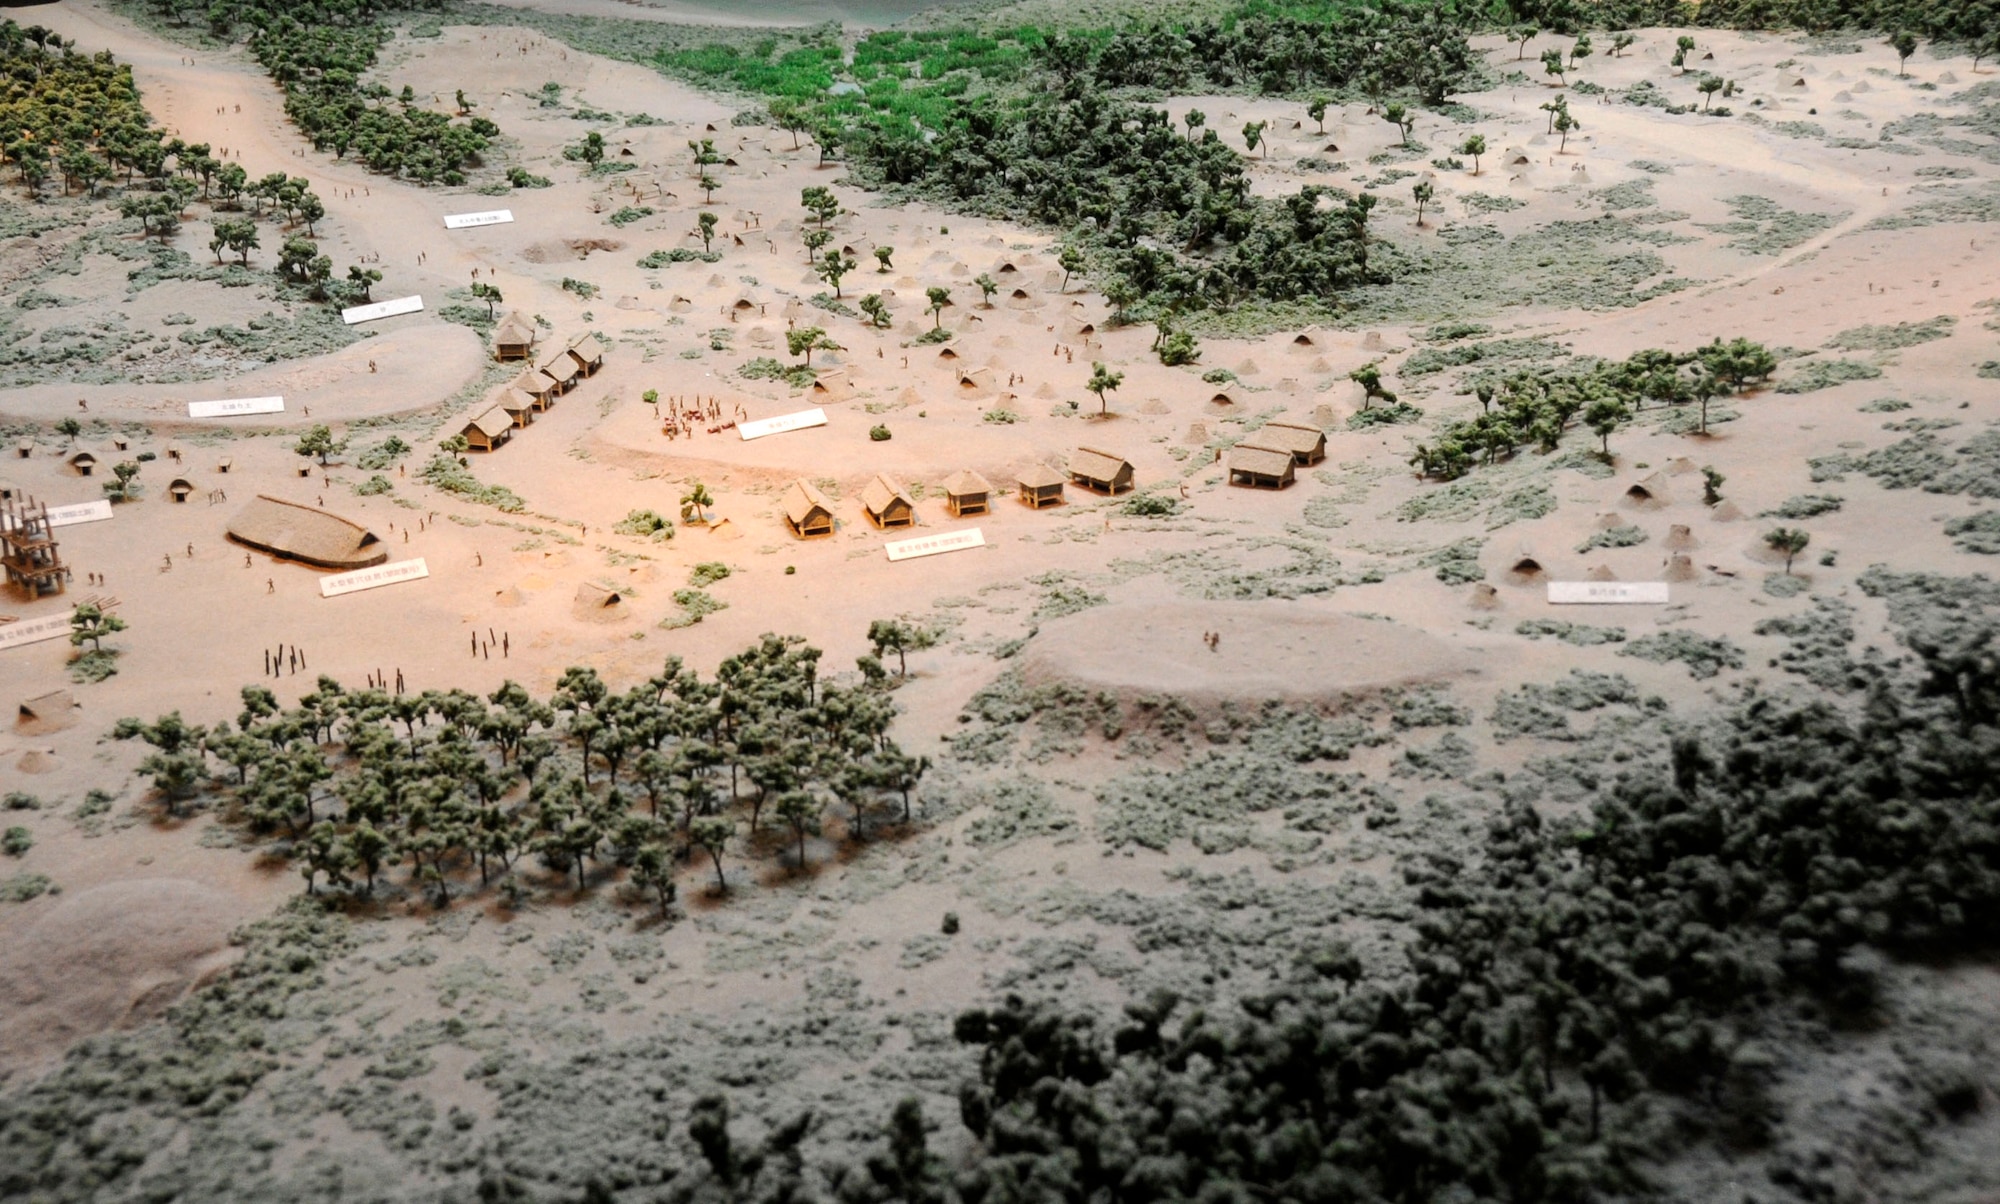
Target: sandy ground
[198, 628]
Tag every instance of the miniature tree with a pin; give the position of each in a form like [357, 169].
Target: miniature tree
[790, 116]
[653, 872]
[1316, 109]
[1193, 119]
[362, 281]
[487, 293]
[1566, 125]
[1425, 192]
[939, 298]
[1071, 261]
[1102, 381]
[1711, 485]
[1552, 64]
[89, 624]
[831, 267]
[1474, 146]
[1524, 35]
[712, 833]
[319, 441]
[876, 309]
[804, 340]
[1905, 44]
[820, 203]
[238, 235]
[1581, 50]
[800, 811]
[1619, 43]
[696, 501]
[882, 255]
[1604, 416]
[591, 149]
[123, 485]
[987, 287]
[1708, 87]
[1683, 46]
[1788, 542]
[1397, 113]
[814, 240]
[1253, 135]
[900, 636]
[1369, 377]
[464, 105]
[705, 227]
[69, 429]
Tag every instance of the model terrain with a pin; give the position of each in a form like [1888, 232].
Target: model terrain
[1112, 739]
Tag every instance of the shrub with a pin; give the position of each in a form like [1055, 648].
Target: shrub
[880, 434]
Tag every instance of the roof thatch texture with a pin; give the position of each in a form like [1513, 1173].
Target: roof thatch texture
[588, 348]
[562, 367]
[513, 332]
[533, 383]
[881, 493]
[966, 482]
[302, 533]
[1260, 461]
[1097, 465]
[801, 499]
[492, 423]
[1298, 440]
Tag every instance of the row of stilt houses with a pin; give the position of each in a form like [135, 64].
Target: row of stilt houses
[536, 388]
[1267, 459]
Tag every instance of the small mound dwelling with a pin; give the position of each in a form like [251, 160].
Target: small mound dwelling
[807, 512]
[489, 430]
[1040, 486]
[1306, 444]
[833, 386]
[588, 354]
[1100, 471]
[966, 492]
[84, 462]
[514, 339]
[888, 504]
[1260, 467]
[179, 488]
[291, 531]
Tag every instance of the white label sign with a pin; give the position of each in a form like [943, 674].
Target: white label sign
[1629, 593]
[466, 221]
[240, 405]
[381, 309]
[14, 635]
[76, 512]
[782, 423]
[381, 574]
[931, 545]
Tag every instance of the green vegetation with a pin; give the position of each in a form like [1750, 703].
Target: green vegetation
[1825, 374]
[1540, 405]
[445, 472]
[647, 524]
[319, 52]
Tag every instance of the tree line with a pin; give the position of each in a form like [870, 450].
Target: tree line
[1588, 995]
[448, 786]
[318, 52]
[1974, 24]
[1539, 406]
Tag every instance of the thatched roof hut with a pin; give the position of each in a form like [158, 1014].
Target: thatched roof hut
[1260, 467]
[1100, 470]
[966, 492]
[1040, 486]
[536, 386]
[1306, 444]
[489, 430]
[519, 407]
[588, 354]
[888, 504]
[563, 371]
[513, 339]
[291, 531]
[807, 512]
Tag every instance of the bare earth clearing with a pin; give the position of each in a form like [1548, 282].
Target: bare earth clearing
[1327, 593]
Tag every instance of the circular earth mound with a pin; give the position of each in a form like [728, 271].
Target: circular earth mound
[105, 958]
[1264, 650]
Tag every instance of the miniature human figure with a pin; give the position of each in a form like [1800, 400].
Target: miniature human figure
[246, 560]
[270, 586]
[169, 566]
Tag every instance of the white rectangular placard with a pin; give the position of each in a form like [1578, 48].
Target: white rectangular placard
[931, 545]
[381, 574]
[1628, 593]
[14, 635]
[466, 221]
[76, 512]
[381, 309]
[782, 423]
[235, 406]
